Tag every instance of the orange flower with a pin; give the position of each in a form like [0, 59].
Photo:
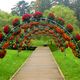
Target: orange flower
[66, 37]
[59, 30]
[72, 45]
[25, 26]
[34, 24]
[6, 45]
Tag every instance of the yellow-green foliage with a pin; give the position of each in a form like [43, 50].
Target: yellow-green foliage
[6, 18]
[66, 13]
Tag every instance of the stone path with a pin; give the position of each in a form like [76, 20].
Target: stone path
[40, 66]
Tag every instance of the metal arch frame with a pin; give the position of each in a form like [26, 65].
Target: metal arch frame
[53, 22]
[62, 27]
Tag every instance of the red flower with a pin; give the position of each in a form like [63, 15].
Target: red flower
[78, 37]
[66, 37]
[26, 17]
[6, 45]
[59, 30]
[37, 14]
[16, 22]
[61, 21]
[1, 36]
[6, 29]
[69, 27]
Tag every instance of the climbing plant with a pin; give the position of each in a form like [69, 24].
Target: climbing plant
[21, 32]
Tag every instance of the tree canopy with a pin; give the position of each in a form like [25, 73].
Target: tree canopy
[20, 8]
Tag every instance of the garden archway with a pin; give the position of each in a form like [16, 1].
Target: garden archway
[21, 33]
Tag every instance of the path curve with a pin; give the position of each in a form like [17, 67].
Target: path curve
[40, 66]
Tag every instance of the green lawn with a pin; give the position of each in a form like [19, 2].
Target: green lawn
[11, 63]
[38, 43]
[69, 64]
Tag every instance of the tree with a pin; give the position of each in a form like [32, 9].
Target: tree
[76, 7]
[20, 8]
[4, 18]
[66, 2]
[43, 4]
[32, 7]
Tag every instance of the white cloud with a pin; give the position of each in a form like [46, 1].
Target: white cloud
[6, 5]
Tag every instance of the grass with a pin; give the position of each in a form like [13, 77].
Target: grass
[11, 62]
[38, 42]
[69, 64]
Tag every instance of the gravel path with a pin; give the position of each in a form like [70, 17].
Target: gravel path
[40, 66]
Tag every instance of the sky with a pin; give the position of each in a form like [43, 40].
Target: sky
[6, 5]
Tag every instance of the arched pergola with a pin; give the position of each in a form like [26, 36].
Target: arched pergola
[23, 31]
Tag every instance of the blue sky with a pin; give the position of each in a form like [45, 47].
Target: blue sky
[6, 5]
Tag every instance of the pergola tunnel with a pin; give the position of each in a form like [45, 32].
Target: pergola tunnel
[22, 31]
